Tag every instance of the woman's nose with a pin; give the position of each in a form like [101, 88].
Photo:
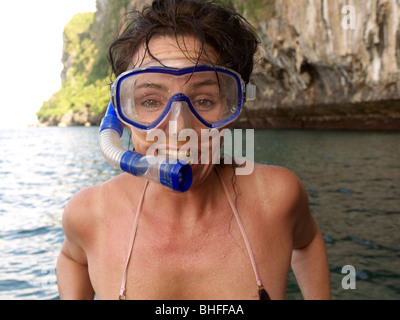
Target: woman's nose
[179, 118]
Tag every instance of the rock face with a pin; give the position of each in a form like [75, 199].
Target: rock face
[327, 66]
[83, 117]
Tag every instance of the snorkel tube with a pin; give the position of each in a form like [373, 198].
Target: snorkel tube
[176, 175]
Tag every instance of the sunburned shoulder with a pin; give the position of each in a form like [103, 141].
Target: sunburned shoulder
[88, 207]
[275, 187]
[272, 177]
[91, 198]
[80, 212]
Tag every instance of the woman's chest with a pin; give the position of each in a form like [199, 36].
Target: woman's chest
[208, 265]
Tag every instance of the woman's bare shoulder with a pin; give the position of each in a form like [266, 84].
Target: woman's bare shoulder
[87, 208]
[272, 177]
[79, 217]
[275, 187]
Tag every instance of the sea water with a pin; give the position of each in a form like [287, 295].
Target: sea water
[352, 180]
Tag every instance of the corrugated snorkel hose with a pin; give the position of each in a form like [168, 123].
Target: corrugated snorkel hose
[177, 175]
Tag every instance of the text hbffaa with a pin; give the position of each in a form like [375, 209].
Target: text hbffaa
[202, 309]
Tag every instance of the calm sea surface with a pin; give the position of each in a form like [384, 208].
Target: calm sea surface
[352, 178]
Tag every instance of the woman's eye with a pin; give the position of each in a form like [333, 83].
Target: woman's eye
[204, 104]
[150, 104]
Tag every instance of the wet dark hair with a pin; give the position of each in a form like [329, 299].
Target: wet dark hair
[232, 38]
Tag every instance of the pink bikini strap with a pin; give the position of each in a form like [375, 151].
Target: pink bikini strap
[241, 228]
[122, 293]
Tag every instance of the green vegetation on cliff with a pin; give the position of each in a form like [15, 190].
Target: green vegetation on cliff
[78, 91]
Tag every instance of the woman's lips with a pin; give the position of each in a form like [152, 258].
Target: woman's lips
[184, 154]
[188, 153]
[175, 153]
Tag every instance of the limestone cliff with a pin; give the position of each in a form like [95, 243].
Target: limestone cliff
[330, 64]
[324, 65]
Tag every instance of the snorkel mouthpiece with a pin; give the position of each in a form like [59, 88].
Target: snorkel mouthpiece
[176, 175]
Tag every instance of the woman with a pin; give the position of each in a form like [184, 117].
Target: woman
[227, 237]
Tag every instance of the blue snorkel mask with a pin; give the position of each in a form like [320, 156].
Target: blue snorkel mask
[145, 98]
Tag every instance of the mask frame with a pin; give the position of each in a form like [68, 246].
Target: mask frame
[245, 92]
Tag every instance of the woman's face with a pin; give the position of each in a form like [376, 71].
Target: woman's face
[168, 53]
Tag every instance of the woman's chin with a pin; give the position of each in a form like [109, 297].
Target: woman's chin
[200, 173]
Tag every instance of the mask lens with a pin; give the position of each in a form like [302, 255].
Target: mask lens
[143, 97]
[214, 95]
